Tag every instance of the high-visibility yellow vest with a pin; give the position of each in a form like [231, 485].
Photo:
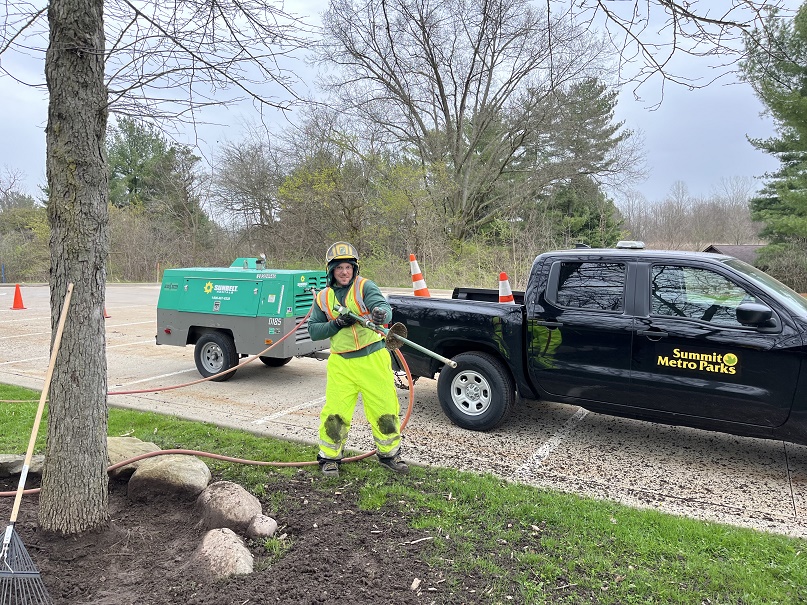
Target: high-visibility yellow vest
[357, 337]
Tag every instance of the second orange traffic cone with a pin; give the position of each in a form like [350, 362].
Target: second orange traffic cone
[17, 299]
[418, 283]
[106, 315]
[505, 293]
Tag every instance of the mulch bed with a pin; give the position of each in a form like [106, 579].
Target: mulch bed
[335, 553]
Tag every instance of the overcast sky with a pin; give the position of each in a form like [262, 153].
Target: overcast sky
[695, 136]
[699, 136]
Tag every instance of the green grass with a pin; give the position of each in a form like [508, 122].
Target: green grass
[534, 545]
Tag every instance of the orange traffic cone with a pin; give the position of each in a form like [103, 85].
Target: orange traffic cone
[505, 293]
[418, 283]
[106, 315]
[17, 299]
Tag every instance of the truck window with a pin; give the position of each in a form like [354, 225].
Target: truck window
[591, 285]
[696, 293]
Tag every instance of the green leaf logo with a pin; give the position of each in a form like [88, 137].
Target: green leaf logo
[730, 359]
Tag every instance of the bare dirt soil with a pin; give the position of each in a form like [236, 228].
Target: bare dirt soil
[334, 552]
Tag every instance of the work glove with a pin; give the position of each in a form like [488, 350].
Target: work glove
[343, 321]
[378, 316]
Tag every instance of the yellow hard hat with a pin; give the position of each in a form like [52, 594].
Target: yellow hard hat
[340, 251]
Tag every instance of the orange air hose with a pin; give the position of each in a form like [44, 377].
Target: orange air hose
[356, 458]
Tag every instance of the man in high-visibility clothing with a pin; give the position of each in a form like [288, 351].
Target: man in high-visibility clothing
[359, 363]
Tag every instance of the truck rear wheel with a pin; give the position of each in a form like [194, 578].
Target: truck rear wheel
[274, 362]
[478, 394]
[214, 353]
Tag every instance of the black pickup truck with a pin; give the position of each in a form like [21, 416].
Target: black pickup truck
[685, 338]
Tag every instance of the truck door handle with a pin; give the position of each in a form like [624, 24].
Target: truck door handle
[653, 334]
[550, 324]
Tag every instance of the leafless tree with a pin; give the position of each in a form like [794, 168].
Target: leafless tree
[11, 196]
[684, 221]
[633, 208]
[248, 174]
[10, 180]
[734, 195]
[139, 58]
[456, 81]
[650, 36]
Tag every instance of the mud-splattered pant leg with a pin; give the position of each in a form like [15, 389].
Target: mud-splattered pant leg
[381, 405]
[372, 376]
[341, 396]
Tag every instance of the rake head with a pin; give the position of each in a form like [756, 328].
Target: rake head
[20, 583]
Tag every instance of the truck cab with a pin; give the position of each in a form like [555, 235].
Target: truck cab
[655, 333]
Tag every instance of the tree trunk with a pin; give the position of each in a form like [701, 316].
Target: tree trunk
[74, 481]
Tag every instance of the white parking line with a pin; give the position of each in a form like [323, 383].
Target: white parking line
[551, 444]
[134, 323]
[128, 344]
[155, 377]
[9, 321]
[5, 363]
[282, 413]
[131, 344]
[24, 335]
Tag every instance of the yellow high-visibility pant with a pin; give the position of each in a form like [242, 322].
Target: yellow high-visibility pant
[371, 376]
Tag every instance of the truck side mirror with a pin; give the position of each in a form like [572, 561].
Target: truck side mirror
[754, 314]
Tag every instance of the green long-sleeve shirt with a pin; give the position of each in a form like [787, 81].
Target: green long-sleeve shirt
[320, 327]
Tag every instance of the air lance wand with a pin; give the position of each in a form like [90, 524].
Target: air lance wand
[394, 336]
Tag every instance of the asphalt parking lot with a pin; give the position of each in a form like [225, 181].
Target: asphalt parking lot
[742, 481]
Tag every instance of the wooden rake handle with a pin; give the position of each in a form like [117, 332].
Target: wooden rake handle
[42, 398]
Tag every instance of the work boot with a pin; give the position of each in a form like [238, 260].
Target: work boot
[329, 468]
[394, 463]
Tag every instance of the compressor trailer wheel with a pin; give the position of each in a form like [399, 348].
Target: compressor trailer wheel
[478, 394]
[214, 353]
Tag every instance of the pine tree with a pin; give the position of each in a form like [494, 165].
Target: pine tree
[776, 68]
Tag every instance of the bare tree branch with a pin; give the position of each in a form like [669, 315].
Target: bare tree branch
[167, 61]
[650, 35]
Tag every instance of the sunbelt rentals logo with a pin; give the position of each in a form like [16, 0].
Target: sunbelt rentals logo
[713, 362]
[219, 288]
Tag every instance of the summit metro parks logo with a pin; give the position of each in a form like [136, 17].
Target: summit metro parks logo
[716, 363]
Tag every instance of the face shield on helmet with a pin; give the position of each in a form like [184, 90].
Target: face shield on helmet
[341, 252]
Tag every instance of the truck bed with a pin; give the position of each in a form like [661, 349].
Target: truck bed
[484, 295]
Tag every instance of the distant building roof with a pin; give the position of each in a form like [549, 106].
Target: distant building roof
[745, 252]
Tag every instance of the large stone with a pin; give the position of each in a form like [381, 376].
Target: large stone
[11, 464]
[220, 554]
[172, 475]
[227, 504]
[124, 448]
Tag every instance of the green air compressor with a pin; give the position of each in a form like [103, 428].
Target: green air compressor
[231, 312]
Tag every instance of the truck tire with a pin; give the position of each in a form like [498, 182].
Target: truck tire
[274, 362]
[214, 353]
[478, 394]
